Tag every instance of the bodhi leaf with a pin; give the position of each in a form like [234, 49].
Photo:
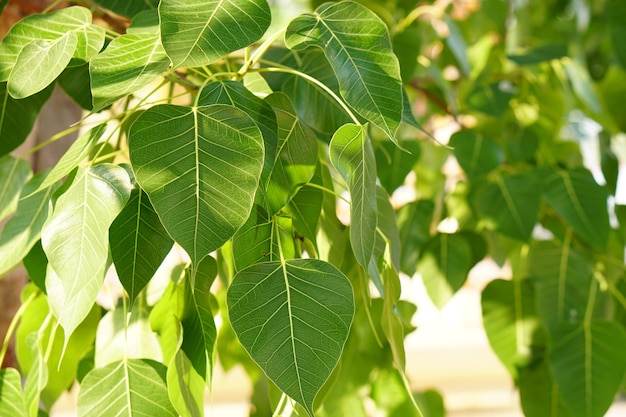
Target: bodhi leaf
[14, 172]
[11, 396]
[75, 240]
[357, 44]
[588, 365]
[305, 209]
[185, 385]
[130, 62]
[135, 387]
[200, 166]
[198, 32]
[352, 155]
[139, 243]
[293, 318]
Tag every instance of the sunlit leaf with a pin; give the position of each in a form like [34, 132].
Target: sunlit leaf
[200, 166]
[352, 155]
[185, 386]
[588, 365]
[136, 387]
[14, 172]
[75, 239]
[293, 319]
[139, 243]
[357, 44]
[198, 32]
[129, 63]
[90, 42]
[37, 377]
[11, 396]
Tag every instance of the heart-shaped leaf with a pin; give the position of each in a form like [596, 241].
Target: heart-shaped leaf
[200, 166]
[358, 46]
[199, 32]
[293, 318]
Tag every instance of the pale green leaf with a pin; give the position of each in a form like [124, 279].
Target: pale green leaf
[200, 166]
[22, 231]
[14, 172]
[75, 239]
[79, 150]
[17, 117]
[90, 42]
[293, 319]
[581, 202]
[185, 386]
[198, 32]
[358, 46]
[588, 365]
[37, 377]
[165, 318]
[296, 157]
[11, 396]
[139, 243]
[38, 28]
[129, 63]
[133, 388]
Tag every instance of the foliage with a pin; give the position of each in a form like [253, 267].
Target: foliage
[236, 146]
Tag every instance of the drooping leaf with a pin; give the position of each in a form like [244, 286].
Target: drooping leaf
[75, 239]
[444, 264]
[14, 173]
[293, 319]
[539, 394]
[414, 220]
[352, 155]
[37, 377]
[305, 209]
[139, 243]
[510, 204]
[296, 156]
[357, 44]
[394, 164]
[128, 8]
[198, 32]
[136, 387]
[22, 231]
[129, 62]
[11, 396]
[185, 386]
[390, 320]
[17, 117]
[588, 365]
[476, 154]
[581, 202]
[563, 277]
[200, 166]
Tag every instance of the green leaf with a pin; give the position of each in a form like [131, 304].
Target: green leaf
[75, 239]
[305, 210]
[146, 21]
[139, 243]
[457, 45]
[200, 166]
[90, 42]
[390, 320]
[293, 318]
[129, 63]
[79, 150]
[36, 264]
[563, 276]
[22, 231]
[128, 8]
[185, 386]
[17, 117]
[37, 377]
[615, 11]
[296, 156]
[393, 164]
[476, 154]
[352, 155]
[541, 53]
[539, 394]
[588, 365]
[510, 204]
[582, 203]
[198, 32]
[510, 321]
[165, 317]
[492, 99]
[36, 29]
[135, 387]
[11, 396]
[76, 83]
[414, 220]
[444, 264]
[14, 173]
[357, 44]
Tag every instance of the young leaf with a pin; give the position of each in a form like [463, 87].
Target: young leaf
[139, 243]
[357, 44]
[198, 32]
[293, 318]
[130, 62]
[352, 155]
[134, 387]
[75, 240]
[14, 172]
[11, 396]
[200, 166]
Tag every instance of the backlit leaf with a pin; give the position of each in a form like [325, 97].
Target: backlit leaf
[185, 386]
[200, 166]
[14, 172]
[11, 396]
[293, 319]
[198, 32]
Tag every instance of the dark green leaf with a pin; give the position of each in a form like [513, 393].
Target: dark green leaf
[414, 221]
[305, 209]
[76, 83]
[128, 8]
[36, 264]
[539, 54]
[394, 164]
[616, 15]
[476, 154]
[492, 99]
[539, 394]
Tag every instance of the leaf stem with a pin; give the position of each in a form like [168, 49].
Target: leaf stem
[258, 54]
[13, 324]
[49, 141]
